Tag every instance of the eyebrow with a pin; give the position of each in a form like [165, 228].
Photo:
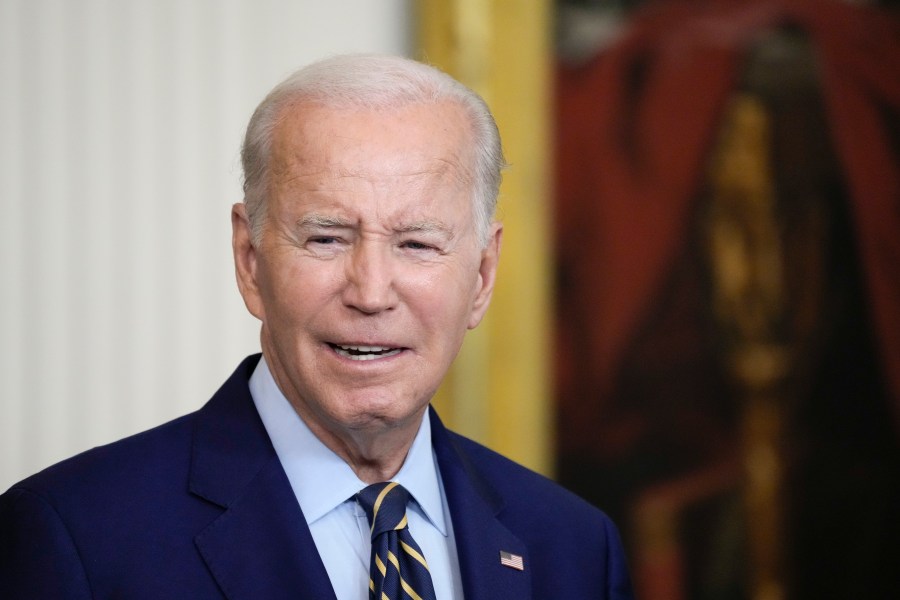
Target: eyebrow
[324, 221]
[425, 227]
[329, 221]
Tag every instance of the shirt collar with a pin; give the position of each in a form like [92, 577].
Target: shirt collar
[308, 463]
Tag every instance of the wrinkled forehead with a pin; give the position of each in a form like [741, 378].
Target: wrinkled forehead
[405, 140]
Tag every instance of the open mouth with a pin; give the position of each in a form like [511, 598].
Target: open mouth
[365, 352]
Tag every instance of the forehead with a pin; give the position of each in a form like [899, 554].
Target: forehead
[416, 139]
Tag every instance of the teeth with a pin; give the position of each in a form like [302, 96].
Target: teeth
[365, 348]
[365, 352]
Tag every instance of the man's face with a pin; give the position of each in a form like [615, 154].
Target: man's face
[369, 270]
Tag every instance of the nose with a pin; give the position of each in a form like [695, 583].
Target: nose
[370, 279]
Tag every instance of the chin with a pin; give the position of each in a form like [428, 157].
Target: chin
[378, 413]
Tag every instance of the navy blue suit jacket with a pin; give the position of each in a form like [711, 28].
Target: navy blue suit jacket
[201, 508]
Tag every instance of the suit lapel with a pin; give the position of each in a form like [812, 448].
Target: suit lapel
[480, 536]
[260, 546]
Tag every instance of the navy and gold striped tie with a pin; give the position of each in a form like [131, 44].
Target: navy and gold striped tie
[397, 569]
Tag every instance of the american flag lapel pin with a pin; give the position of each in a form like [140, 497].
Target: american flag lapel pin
[513, 561]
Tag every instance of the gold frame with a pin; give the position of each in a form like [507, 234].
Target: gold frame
[498, 390]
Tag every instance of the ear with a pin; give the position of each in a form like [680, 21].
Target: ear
[245, 260]
[487, 274]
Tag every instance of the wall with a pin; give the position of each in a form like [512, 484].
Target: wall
[120, 127]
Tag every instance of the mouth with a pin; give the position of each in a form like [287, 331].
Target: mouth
[362, 353]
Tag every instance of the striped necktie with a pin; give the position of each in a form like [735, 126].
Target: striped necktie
[397, 568]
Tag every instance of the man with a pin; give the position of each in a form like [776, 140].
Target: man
[366, 246]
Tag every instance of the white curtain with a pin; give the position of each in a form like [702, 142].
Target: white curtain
[120, 127]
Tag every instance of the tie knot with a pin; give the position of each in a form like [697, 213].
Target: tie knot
[385, 506]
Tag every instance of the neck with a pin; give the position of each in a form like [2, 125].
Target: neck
[375, 450]
[373, 455]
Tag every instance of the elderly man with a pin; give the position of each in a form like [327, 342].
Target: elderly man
[366, 246]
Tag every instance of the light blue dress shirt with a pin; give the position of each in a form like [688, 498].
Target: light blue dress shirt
[325, 486]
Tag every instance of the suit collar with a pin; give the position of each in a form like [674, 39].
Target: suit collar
[259, 547]
[475, 509]
[230, 443]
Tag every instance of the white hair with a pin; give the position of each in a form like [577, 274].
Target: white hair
[377, 82]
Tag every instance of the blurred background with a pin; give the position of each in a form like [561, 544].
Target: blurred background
[697, 323]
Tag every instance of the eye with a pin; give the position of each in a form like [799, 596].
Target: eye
[414, 245]
[323, 240]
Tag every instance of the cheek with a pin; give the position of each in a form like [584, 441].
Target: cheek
[446, 298]
[294, 292]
